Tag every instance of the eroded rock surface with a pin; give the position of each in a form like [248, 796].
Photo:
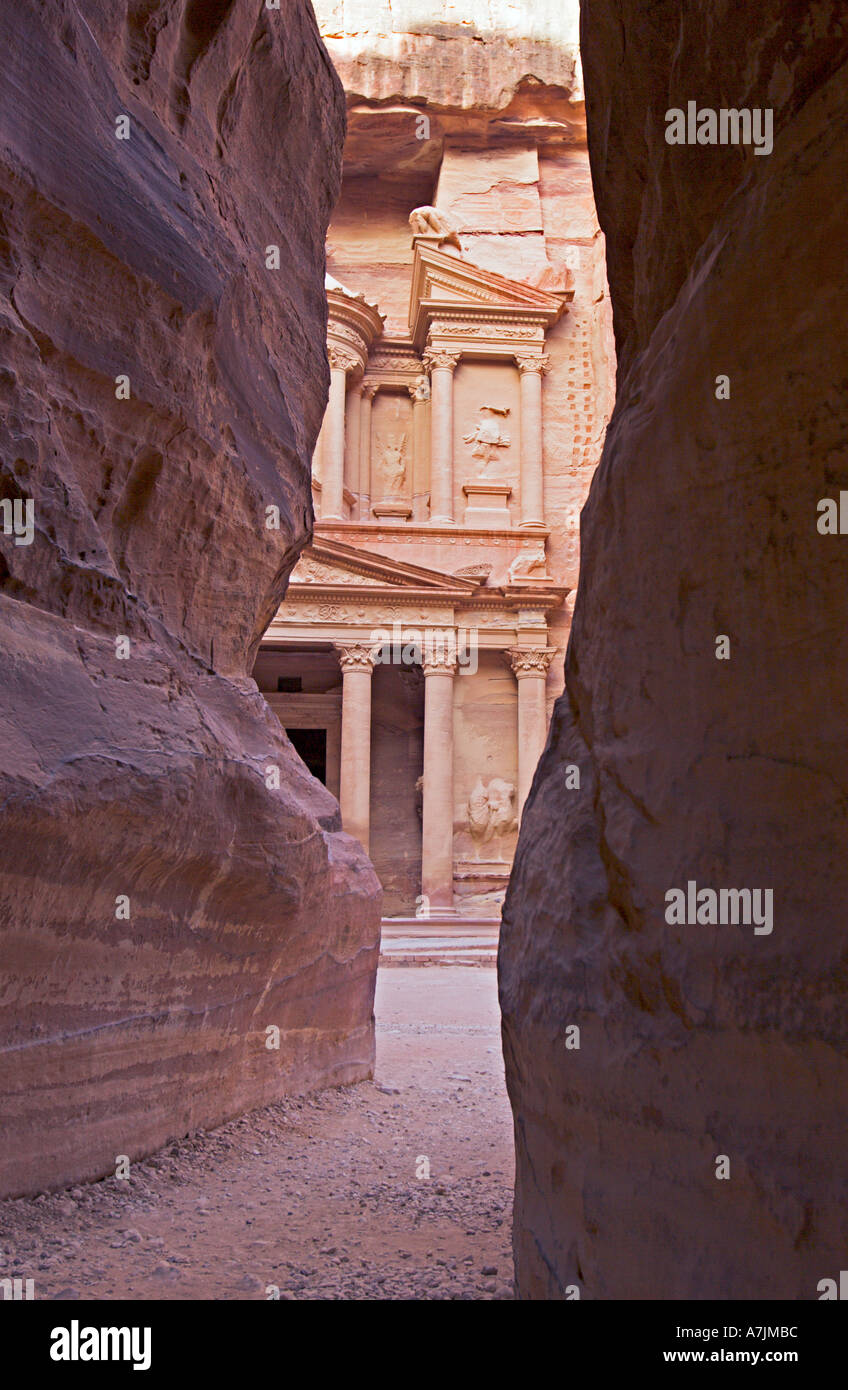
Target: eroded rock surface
[144, 772]
[698, 1041]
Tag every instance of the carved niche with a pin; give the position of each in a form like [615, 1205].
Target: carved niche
[487, 438]
[392, 465]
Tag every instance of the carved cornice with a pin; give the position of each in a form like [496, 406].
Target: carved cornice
[530, 661]
[356, 656]
[308, 571]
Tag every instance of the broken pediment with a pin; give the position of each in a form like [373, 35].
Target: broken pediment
[330, 564]
[446, 286]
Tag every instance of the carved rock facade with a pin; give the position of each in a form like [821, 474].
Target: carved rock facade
[459, 443]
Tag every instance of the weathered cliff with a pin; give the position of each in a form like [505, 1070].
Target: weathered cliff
[700, 1040]
[164, 905]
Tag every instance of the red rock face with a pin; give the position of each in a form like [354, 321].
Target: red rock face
[144, 770]
[698, 1040]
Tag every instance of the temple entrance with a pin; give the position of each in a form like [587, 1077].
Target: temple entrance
[311, 745]
[397, 764]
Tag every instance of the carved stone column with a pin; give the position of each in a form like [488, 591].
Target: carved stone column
[530, 665]
[532, 477]
[441, 366]
[357, 662]
[420, 393]
[369, 391]
[437, 812]
[333, 444]
[352, 442]
[318, 467]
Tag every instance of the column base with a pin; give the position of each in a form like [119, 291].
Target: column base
[440, 910]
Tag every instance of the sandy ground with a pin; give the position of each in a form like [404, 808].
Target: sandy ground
[317, 1197]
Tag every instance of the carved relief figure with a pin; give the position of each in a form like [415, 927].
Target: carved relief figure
[528, 562]
[491, 810]
[429, 221]
[393, 465]
[487, 437]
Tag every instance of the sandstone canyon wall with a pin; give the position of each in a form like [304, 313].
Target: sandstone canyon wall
[163, 905]
[698, 1040]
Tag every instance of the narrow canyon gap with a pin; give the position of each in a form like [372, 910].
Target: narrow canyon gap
[697, 1041]
[187, 931]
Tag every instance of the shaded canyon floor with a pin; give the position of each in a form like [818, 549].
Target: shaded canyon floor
[317, 1196]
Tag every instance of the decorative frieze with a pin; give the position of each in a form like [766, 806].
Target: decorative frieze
[341, 359]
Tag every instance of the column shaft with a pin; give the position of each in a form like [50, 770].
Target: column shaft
[532, 728]
[437, 813]
[532, 475]
[441, 436]
[530, 665]
[333, 447]
[318, 467]
[368, 393]
[352, 436]
[355, 771]
[420, 394]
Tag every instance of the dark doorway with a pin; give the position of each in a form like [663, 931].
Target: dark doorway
[311, 744]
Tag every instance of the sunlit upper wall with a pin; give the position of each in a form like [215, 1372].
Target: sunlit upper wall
[385, 48]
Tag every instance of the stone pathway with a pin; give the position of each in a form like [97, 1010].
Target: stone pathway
[323, 1197]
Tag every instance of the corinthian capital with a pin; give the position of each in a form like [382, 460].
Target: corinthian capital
[356, 656]
[344, 361]
[439, 653]
[530, 661]
[437, 358]
[533, 362]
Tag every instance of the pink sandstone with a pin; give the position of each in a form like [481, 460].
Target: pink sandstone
[151, 778]
[698, 1041]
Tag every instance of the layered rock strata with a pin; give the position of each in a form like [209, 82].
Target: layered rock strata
[186, 932]
[720, 764]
